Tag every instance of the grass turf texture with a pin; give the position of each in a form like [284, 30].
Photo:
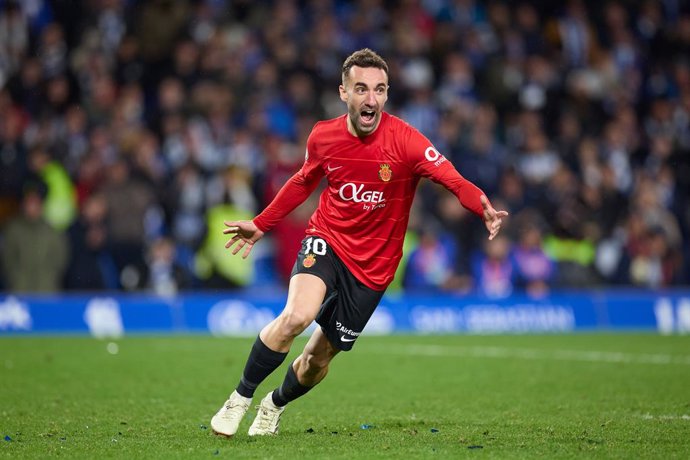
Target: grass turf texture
[551, 396]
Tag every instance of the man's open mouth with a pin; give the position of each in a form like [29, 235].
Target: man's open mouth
[367, 116]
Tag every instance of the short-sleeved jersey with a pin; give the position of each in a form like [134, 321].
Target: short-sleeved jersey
[364, 211]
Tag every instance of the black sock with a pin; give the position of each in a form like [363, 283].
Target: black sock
[290, 390]
[261, 362]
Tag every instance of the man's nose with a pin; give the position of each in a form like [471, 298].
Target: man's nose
[371, 98]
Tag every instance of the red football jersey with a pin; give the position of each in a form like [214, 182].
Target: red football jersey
[364, 211]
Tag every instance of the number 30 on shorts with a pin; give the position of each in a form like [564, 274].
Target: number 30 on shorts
[316, 246]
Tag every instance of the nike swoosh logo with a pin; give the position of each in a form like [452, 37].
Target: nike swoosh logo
[333, 169]
[345, 339]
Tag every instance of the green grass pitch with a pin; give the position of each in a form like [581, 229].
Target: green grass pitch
[514, 396]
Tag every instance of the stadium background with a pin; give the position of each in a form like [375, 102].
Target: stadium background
[130, 129]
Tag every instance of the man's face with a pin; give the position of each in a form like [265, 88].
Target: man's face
[32, 205]
[365, 91]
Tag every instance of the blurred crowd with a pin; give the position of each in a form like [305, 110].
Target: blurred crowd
[129, 130]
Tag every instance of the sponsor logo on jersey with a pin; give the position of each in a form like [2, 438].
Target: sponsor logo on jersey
[356, 193]
[309, 261]
[434, 156]
[385, 172]
[340, 327]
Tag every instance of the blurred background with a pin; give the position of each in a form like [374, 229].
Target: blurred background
[129, 130]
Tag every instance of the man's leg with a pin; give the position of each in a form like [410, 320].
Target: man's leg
[307, 370]
[305, 295]
[304, 373]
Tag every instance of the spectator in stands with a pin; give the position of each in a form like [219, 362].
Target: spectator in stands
[165, 276]
[484, 160]
[571, 246]
[230, 201]
[432, 264]
[534, 271]
[493, 270]
[91, 266]
[185, 206]
[60, 204]
[656, 265]
[14, 42]
[13, 158]
[130, 203]
[34, 254]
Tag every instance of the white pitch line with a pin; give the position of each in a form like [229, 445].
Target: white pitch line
[665, 417]
[533, 354]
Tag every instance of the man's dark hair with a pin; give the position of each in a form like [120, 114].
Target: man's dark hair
[364, 58]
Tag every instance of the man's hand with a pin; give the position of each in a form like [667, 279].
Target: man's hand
[492, 218]
[245, 232]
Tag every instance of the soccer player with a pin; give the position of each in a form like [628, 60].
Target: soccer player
[373, 162]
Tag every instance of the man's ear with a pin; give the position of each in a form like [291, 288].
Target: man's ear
[343, 93]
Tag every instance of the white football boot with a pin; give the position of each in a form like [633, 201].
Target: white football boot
[228, 418]
[267, 419]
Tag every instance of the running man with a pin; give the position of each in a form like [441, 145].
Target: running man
[373, 162]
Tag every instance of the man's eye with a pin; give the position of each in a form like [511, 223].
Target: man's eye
[380, 91]
[360, 90]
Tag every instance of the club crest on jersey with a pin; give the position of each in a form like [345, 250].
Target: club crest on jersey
[385, 172]
[309, 261]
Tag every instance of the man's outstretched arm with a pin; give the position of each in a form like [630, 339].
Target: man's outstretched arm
[435, 167]
[247, 232]
[428, 162]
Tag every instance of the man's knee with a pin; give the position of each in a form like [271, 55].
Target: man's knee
[294, 322]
